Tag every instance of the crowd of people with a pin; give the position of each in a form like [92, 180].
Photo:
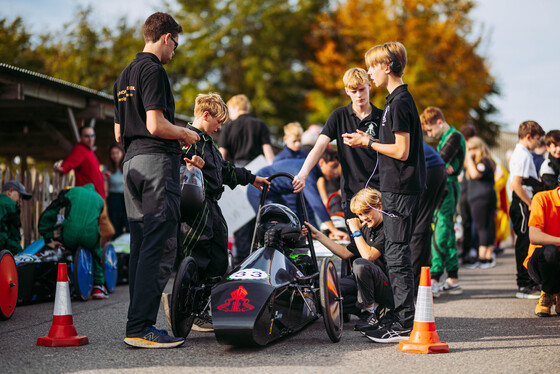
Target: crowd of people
[399, 195]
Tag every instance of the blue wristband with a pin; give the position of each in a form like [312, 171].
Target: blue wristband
[356, 233]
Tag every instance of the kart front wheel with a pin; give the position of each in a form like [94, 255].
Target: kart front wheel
[182, 298]
[82, 273]
[331, 300]
[110, 267]
[8, 285]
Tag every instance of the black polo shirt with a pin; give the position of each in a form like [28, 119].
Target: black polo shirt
[402, 177]
[143, 85]
[375, 237]
[357, 164]
[244, 137]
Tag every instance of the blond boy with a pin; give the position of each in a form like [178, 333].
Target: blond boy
[292, 140]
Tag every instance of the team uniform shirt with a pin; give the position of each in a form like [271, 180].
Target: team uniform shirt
[549, 171]
[86, 167]
[375, 237]
[288, 153]
[402, 177]
[10, 223]
[545, 215]
[357, 164]
[244, 137]
[143, 85]
[451, 148]
[521, 165]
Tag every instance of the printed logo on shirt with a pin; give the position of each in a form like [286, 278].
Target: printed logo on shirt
[123, 94]
[371, 126]
[384, 120]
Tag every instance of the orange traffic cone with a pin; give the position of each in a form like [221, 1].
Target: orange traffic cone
[424, 338]
[62, 332]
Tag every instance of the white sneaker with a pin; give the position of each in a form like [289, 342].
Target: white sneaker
[436, 291]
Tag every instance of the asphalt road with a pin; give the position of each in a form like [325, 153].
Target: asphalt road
[487, 329]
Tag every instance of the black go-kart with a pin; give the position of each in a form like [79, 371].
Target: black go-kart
[270, 295]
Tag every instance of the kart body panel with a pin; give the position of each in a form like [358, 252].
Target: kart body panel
[264, 299]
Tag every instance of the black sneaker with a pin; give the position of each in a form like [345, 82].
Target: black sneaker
[363, 328]
[367, 318]
[389, 334]
[528, 292]
[151, 337]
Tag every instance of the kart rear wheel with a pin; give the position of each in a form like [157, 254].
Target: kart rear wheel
[110, 266]
[331, 300]
[8, 285]
[345, 269]
[182, 298]
[82, 273]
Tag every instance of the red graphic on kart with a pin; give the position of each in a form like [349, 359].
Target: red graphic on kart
[237, 302]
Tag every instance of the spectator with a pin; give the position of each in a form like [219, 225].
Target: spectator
[402, 175]
[115, 196]
[86, 168]
[481, 195]
[543, 257]
[281, 190]
[451, 148]
[430, 199]
[469, 254]
[10, 222]
[82, 208]
[241, 141]
[245, 137]
[292, 141]
[524, 182]
[366, 290]
[550, 169]
[144, 121]
[538, 154]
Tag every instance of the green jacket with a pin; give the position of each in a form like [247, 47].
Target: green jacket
[452, 150]
[82, 208]
[10, 224]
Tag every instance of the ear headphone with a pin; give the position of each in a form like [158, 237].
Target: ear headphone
[395, 65]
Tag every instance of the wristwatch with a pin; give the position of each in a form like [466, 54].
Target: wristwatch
[371, 141]
[356, 233]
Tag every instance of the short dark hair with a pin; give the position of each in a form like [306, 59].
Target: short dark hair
[553, 136]
[81, 129]
[159, 24]
[329, 155]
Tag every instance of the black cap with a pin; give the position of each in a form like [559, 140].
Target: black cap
[16, 186]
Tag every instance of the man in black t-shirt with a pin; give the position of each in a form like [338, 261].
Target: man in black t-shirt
[245, 137]
[366, 291]
[144, 123]
[402, 179]
[358, 166]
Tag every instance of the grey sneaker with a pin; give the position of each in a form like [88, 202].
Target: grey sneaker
[452, 289]
[166, 304]
[151, 337]
[436, 291]
[203, 324]
[528, 292]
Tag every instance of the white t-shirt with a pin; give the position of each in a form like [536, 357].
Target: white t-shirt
[521, 165]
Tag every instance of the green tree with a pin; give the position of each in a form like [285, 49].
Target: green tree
[444, 68]
[257, 48]
[15, 45]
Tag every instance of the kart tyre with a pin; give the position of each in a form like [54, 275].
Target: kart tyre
[345, 269]
[8, 285]
[182, 298]
[331, 300]
[110, 266]
[82, 274]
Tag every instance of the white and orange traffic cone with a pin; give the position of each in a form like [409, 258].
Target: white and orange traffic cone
[424, 338]
[62, 332]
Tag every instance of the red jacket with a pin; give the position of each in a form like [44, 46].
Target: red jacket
[86, 167]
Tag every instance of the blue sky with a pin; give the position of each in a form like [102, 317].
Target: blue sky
[522, 46]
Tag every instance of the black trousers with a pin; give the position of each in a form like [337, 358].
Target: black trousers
[544, 268]
[398, 227]
[420, 242]
[152, 197]
[519, 215]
